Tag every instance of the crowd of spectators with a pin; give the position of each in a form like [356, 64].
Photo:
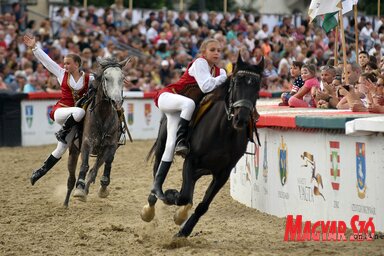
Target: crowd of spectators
[165, 42]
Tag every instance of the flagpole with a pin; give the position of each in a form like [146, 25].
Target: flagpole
[378, 8]
[225, 6]
[336, 61]
[343, 45]
[356, 33]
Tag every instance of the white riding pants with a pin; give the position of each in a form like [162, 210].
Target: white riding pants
[174, 106]
[61, 114]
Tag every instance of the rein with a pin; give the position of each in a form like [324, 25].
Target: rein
[230, 105]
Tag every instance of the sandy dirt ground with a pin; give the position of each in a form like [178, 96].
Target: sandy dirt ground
[34, 222]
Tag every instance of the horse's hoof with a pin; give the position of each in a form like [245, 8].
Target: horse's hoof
[80, 194]
[147, 213]
[180, 235]
[181, 215]
[171, 196]
[103, 192]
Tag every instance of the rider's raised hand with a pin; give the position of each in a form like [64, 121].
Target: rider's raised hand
[29, 40]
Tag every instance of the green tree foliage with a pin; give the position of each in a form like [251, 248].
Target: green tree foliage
[145, 4]
[213, 5]
[370, 7]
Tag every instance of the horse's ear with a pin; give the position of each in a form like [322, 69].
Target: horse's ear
[128, 63]
[261, 64]
[100, 61]
[239, 62]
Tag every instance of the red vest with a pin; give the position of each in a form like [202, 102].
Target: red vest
[184, 81]
[69, 95]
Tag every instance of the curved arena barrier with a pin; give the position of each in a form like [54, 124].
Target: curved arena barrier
[142, 117]
[321, 164]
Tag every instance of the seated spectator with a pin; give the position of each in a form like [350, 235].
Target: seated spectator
[363, 59]
[304, 98]
[3, 85]
[355, 98]
[31, 85]
[295, 72]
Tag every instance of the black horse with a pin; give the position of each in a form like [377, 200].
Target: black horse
[101, 130]
[217, 142]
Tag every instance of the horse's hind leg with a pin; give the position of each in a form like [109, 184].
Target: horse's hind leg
[148, 212]
[72, 163]
[185, 197]
[214, 187]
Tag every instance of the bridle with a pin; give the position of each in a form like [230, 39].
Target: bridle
[246, 103]
[103, 85]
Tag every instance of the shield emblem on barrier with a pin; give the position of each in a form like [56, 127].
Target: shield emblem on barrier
[361, 169]
[29, 115]
[147, 113]
[49, 109]
[256, 161]
[283, 162]
[130, 113]
[265, 160]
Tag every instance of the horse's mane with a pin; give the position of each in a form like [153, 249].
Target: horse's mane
[220, 92]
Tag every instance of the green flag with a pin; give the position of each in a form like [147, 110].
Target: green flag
[330, 21]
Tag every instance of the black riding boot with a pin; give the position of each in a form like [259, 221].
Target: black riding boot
[48, 164]
[182, 147]
[160, 176]
[66, 129]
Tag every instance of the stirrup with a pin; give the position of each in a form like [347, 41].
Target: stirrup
[122, 139]
[59, 136]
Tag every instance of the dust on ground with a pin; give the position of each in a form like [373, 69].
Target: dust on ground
[34, 222]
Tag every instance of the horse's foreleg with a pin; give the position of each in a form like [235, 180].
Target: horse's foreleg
[214, 187]
[80, 191]
[91, 176]
[106, 179]
[72, 163]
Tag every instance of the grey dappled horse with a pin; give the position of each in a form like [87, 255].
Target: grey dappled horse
[101, 130]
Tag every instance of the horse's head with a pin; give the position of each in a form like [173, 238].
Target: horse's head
[112, 77]
[244, 89]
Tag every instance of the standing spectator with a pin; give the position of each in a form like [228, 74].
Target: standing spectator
[21, 16]
[181, 21]
[117, 10]
[262, 33]
[150, 19]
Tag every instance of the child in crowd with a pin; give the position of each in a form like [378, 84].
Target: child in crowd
[295, 72]
[303, 98]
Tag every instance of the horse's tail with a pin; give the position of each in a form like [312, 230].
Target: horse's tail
[151, 151]
[158, 147]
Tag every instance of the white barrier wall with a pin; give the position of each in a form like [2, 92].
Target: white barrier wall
[320, 175]
[143, 119]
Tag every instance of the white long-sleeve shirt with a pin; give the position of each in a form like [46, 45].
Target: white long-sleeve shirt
[58, 71]
[201, 71]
